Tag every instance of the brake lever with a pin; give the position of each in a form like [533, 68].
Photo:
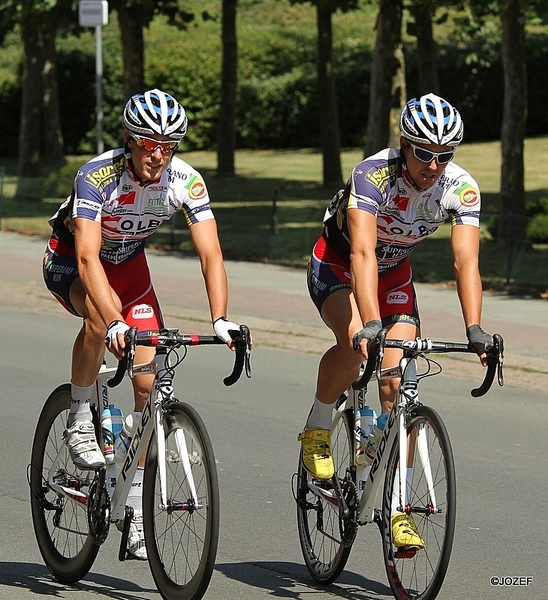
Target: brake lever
[498, 342]
[373, 364]
[495, 358]
[126, 362]
[242, 338]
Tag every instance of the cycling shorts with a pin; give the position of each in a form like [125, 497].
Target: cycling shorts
[130, 280]
[328, 272]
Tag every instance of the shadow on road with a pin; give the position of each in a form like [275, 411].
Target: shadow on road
[37, 579]
[288, 580]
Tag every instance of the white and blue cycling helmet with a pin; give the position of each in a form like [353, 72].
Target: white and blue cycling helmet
[431, 120]
[155, 112]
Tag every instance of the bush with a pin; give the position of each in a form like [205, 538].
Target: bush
[537, 230]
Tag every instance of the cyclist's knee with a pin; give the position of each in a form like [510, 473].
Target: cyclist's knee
[388, 388]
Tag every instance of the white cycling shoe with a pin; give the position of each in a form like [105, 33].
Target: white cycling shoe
[82, 446]
[136, 537]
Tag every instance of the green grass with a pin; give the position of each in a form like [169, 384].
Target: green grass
[272, 210]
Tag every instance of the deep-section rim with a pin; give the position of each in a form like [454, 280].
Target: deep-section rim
[436, 553]
[182, 415]
[325, 570]
[66, 566]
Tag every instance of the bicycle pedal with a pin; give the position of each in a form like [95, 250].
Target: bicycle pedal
[406, 552]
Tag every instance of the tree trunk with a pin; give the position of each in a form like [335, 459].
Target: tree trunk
[31, 102]
[384, 68]
[398, 97]
[427, 51]
[52, 142]
[226, 127]
[511, 222]
[327, 102]
[131, 32]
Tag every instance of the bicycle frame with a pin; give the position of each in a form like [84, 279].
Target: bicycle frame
[395, 426]
[151, 422]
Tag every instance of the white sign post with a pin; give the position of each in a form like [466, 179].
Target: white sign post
[94, 13]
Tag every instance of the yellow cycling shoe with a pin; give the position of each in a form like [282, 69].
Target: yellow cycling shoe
[316, 451]
[405, 533]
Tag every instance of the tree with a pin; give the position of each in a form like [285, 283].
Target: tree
[40, 134]
[427, 51]
[385, 95]
[226, 127]
[133, 17]
[327, 103]
[511, 223]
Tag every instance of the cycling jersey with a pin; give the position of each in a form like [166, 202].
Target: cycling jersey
[106, 191]
[405, 215]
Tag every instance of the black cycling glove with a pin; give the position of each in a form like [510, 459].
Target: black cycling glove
[478, 339]
[369, 331]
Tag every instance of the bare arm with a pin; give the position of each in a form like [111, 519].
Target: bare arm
[87, 238]
[465, 246]
[362, 227]
[206, 242]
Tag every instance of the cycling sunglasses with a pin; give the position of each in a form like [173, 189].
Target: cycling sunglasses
[427, 156]
[150, 144]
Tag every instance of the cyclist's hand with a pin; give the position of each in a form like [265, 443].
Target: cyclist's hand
[223, 328]
[115, 340]
[361, 340]
[479, 340]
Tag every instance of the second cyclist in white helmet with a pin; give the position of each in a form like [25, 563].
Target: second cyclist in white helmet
[360, 276]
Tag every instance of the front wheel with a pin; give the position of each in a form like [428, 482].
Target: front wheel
[182, 529]
[430, 500]
[326, 540]
[60, 519]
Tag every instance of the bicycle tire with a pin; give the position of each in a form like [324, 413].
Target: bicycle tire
[182, 544]
[421, 576]
[63, 535]
[318, 523]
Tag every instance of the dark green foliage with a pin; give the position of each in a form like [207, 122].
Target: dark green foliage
[277, 97]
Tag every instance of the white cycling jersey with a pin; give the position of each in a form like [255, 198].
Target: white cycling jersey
[405, 215]
[106, 191]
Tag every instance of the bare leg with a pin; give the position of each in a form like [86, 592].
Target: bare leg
[340, 365]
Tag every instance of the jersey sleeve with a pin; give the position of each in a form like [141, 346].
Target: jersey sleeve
[371, 180]
[93, 184]
[191, 195]
[463, 202]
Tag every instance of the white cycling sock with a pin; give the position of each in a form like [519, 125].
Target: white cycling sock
[321, 415]
[80, 404]
[135, 495]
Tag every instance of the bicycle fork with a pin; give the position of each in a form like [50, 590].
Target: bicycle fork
[416, 443]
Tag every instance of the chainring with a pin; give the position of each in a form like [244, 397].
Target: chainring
[348, 523]
[98, 511]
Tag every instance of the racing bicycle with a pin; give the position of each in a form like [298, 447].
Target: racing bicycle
[413, 463]
[72, 510]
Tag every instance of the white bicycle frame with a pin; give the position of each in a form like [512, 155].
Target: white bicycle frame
[151, 421]
[395, 426]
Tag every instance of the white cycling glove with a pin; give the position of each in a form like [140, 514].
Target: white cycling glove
[114, 329]
[222, 326]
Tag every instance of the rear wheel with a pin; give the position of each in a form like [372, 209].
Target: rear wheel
[325, 540]
[420, 574]
[182, 530]
[60, 523]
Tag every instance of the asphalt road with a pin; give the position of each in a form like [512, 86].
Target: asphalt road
[499, 441]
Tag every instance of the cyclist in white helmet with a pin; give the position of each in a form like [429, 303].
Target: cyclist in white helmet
[359, 275]
[95, 263]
